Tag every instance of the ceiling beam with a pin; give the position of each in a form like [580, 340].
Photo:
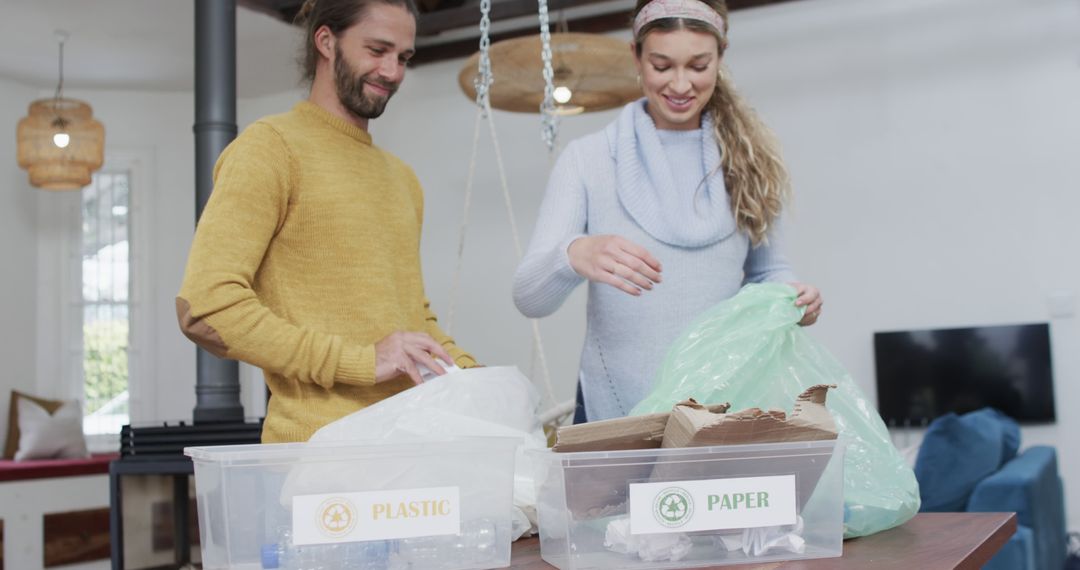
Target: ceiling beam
[446, 15]
[438, 21]
[434, 23]
[284, 10]
[597, 24]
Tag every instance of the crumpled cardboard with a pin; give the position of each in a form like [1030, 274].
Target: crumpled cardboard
[692, 425]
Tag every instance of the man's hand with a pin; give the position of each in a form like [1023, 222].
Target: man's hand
[400, 353]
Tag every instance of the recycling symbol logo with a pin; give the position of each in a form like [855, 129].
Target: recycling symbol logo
[673, 507]
[336, 517]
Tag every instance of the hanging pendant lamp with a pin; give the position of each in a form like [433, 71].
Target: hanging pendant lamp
[591, 73]
[60, 143]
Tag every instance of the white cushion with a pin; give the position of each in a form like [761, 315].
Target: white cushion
[56, 436]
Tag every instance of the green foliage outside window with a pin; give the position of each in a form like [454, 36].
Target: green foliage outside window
[105, 361]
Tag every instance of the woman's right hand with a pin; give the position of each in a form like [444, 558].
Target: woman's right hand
[615, 261]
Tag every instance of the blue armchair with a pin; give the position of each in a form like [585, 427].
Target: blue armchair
[970, 463]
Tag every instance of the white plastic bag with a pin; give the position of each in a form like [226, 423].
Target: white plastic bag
[493, 401]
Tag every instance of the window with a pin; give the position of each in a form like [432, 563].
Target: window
[96, 335]
[106, 306]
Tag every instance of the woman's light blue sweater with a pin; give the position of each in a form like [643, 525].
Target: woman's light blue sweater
[645, 185]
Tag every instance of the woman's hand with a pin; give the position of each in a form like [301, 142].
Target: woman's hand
[810, 297]
[615, 261]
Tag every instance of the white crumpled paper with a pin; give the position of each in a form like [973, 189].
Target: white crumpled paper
[758, 541]
[648, 547]
[492, 401]
[673, 547]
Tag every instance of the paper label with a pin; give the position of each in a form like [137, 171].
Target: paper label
[376, 515]
[712, 504]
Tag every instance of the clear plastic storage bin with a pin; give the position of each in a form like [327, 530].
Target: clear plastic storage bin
[689, 507]
[443, 505]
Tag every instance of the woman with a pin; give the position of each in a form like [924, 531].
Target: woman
[666, 212]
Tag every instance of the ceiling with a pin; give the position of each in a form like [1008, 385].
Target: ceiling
[136, 44]
[149, 44]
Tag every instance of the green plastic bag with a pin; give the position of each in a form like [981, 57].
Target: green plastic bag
[750, 351]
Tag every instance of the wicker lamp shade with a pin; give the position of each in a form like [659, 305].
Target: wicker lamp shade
[598, 71]
[52, 166]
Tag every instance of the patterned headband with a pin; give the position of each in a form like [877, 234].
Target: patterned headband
[689, 9]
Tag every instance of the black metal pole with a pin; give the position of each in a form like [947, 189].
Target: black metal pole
[217, 388]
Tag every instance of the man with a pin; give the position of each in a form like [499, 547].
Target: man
[306, 261]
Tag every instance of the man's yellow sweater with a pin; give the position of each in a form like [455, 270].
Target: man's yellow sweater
[306, 255]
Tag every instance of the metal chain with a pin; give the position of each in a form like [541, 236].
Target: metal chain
[484, 77]
[483, 83]
[549, 128]
[60, 121]
[60, 86]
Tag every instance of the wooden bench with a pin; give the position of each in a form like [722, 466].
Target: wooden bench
[54, 512]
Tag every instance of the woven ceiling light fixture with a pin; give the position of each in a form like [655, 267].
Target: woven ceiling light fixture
[59, 143]
[591, 73]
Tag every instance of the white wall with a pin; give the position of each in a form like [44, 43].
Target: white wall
[933, 147]
[18, 256]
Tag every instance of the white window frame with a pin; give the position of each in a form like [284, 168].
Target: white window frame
[60, 301]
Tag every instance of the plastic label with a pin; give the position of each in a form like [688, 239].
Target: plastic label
[712, 504]
[376, 515]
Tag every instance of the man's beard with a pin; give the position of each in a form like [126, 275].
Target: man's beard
[350, 89]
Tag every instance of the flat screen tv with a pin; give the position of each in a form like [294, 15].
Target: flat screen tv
[923, 374]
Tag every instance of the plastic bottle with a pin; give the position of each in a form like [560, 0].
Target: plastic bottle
[477, 544]
[284, 555]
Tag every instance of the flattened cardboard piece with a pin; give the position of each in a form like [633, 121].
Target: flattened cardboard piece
[693, 425]
[635, 432]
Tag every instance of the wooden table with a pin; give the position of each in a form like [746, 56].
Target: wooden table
[929, 541]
